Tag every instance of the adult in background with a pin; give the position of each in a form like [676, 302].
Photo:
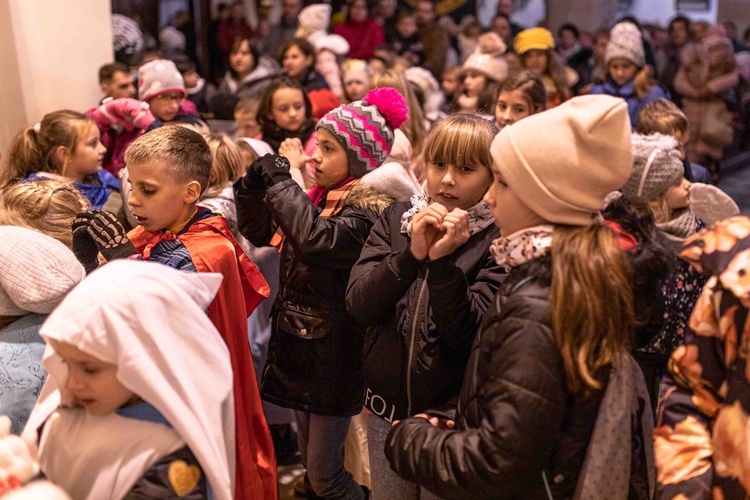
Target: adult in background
[363, 34]
[284, 29]
[116, 81]
[434, 39]
[678, 30]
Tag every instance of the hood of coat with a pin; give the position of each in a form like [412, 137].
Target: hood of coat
[383, 186]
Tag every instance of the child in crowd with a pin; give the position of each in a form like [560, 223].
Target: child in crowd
[408, 43]
[249, 73]
[536, 49]
[198, 90]
[522, 94]
[138, 403]
[657, 188]
[628, 76]
[285, 112]
[442, 283]
[65, 146]
[315, 357]
[453, 86]
[664, 117]
[356, 79]
[32, 284]
[483, 72]
[550, 395]
[46, 205]
[246, 116]
[226, 168]
[170, 169]
[160, 85]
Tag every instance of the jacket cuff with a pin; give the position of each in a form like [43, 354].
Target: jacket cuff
[405, 265]
[242, 188]
[442, 270]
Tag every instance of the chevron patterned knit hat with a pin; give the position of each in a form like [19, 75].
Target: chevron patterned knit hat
[366, 128]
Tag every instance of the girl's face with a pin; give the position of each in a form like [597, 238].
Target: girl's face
[457, 187]
[474, 83]
[356, 88]
[678, 194]
[92, 381]
[242, 61]
[88, 155]
[512, 106]
[331, 163]
[510, 213]
[358, 11]
[536, 60]
[164, 107]
[295, 62]
[622, 70]
[288, 109]
[451, 83]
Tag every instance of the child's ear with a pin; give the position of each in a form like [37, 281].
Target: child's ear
[192, 192]
[62, 154]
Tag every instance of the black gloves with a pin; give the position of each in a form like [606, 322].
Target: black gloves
[103, 231]
[266, 171]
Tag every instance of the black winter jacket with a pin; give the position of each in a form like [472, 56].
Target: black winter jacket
[421, 317]
[315, 353]
[515, 419]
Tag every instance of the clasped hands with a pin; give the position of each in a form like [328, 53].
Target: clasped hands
[436, 232]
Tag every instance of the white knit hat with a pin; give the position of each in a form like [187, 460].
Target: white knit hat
[626, 41]
[315, 17]
[488, 57]
[36, 271]
[159, 77]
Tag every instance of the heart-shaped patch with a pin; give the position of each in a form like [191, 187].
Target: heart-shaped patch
[183, 477]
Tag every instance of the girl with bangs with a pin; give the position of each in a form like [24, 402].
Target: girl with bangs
[428, 263]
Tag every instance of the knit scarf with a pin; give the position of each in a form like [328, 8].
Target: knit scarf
[275, 135]
[682, 225]
[522, 246]
[480, 217]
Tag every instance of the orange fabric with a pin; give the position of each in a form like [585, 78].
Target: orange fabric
[213, 249]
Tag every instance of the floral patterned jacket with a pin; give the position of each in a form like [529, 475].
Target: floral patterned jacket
[702, 435]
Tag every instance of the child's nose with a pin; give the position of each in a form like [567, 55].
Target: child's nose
[448, 177]
[73, 383]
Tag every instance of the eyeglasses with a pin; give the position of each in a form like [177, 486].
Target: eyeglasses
[170, 97]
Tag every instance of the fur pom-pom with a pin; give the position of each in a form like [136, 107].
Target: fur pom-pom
[391, 104]
[492, 44]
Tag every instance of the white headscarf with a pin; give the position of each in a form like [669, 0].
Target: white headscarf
[150, 321]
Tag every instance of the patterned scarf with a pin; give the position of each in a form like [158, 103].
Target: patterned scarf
[522, 246]
[335, 198]
[480, 217]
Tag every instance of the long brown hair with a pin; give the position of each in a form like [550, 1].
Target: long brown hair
[592, 303]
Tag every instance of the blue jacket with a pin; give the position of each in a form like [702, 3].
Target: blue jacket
[627, 92]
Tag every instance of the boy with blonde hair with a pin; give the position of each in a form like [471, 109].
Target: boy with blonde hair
[169, 169]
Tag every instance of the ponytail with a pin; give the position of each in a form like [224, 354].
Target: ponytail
[592, 303]
[643, 82]
[33, 149]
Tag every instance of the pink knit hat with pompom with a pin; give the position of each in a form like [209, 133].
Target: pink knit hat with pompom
[366, 128]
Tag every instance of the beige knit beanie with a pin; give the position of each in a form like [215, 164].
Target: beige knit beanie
[488, 58]
[625, 41]
[563, 162]
[36, 271]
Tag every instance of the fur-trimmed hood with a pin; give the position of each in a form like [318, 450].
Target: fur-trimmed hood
[383, 186]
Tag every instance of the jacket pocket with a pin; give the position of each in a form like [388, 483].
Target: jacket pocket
[304, 325]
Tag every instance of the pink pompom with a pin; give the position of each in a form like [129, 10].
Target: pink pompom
[390, 103]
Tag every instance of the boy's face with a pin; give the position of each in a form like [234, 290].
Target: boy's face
[247, 124]
[165, 106]
[92, 381]
[158, 200]
[191, 79]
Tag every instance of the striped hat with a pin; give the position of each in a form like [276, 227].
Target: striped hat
[366, 128]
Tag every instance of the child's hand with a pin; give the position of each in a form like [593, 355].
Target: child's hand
[292, 150]
[454, 232]
[108, 235]
[84, 247]
[127, 113]
[425, 227]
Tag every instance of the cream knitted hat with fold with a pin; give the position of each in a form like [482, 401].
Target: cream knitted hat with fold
[488, 58]
[625, 41]
[36, 271]
[562, 163]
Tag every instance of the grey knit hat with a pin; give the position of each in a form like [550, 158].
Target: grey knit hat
[159, 77]
[36, 271]
[626, 41]
[656, 166]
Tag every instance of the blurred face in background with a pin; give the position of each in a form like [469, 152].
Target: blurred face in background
[358, 11]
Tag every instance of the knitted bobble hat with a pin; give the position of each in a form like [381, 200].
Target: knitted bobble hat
[37, 271]
[488, 58]
[314, 18]
[656, 166]
[625, 41]
[159, 77]
[366, 128]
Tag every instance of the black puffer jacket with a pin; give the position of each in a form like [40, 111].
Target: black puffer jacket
[421, 317]
[515, 419]
[315, 354]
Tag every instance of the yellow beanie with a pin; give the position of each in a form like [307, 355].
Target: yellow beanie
[534, 38]
[562, 163]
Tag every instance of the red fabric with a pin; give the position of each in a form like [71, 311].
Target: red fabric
[213, 249]
[116, 143]
[323, 101]
[625, 240]
[363, 37]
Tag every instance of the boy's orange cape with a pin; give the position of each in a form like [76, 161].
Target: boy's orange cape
[213, 249]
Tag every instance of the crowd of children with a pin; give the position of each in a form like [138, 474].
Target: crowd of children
[485, 286]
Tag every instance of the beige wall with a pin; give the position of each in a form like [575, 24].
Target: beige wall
[50, 53]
